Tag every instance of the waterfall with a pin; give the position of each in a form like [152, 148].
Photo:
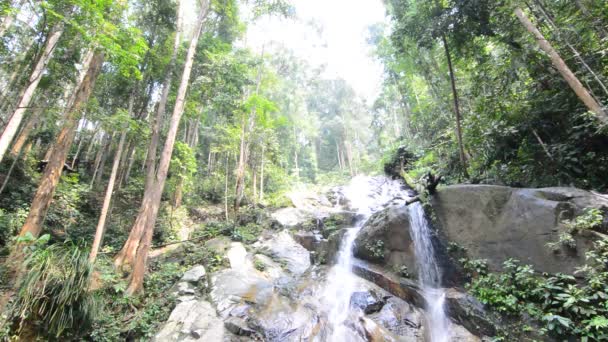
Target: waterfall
[367, 195]
[429, 274]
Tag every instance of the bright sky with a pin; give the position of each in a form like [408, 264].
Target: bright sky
[331, 33]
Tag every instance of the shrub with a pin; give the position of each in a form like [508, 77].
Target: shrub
[54, 294]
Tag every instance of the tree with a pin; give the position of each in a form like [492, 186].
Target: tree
[152, 196]
[563, 69]
[12, 126]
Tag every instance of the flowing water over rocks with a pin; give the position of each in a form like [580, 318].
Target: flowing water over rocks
[273, 292]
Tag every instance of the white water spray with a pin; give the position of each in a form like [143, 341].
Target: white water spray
[367, 195]
[429, 275]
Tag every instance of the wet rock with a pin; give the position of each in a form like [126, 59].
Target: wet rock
[282, 246]
[233, 287]
[385, 239]
[193, 320]
[400, 318]
[460, 307]
[269, 268]
[367, 301]
[328, 248]
[195, 275]
[237, 255]
[295, 218]
[468, 312]
[238, 326]
[403, 288]
[516, 223]
[307, 239]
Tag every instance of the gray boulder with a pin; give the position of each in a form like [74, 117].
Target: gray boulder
[385, 239]
[497, 223]
[192, 320]
[366, 301]
[195, 275]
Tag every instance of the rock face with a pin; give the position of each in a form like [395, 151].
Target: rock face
[497, 223]
[385, 239]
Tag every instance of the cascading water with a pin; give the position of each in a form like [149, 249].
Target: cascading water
[367, 195]
[429, 274]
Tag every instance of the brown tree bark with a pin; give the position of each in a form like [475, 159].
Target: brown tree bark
[15, 120]
[563, 69]
[463, 158]
[101, 224]
[25, 132]
[150, 211]
[126, 256]
[52, 172]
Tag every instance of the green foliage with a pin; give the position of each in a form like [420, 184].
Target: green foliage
[10, 223]
[563, 305]
[135, 317]
[247, 234]
[509, 95]
[259, 265]
[592, 218]
[376, 249]
[54, 295]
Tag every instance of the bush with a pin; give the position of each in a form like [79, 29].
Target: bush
[54, 295]
[565, 306]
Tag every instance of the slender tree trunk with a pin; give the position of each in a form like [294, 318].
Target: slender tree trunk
[126, 256]
[338, 154]
[17, 71]
[107, 199]
[13, 123]
[137, 276]
[262, 175]
[98, 175]
[25, 133]
[574, 51]
[561, 66]
[226, 189]
[463, 158]
[10, 171]
[255, 185]
[245, 144]
[52, 172]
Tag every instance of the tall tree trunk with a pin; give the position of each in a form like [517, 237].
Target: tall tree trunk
[137, 276]
[107, 199]
[126, 256]
[13, 123]
[463, 158]
[262, 174]
[98, 175]
[25, 133]
[245, 144]
[52, 172]
[563, 69]
[226, 189]
[574, 51]
[17, 70]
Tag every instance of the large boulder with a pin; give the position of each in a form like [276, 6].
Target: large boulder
[497, 223]
[192, 320]
[385, 239]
